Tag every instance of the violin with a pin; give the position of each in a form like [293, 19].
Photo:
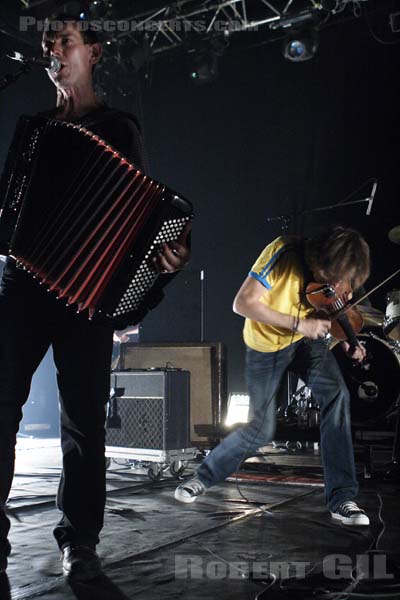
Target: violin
[332, 301]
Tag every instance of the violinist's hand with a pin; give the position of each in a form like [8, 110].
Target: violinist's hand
[358, 354]
[174, 255]
[314, 328]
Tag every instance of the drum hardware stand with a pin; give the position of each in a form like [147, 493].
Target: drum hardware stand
[299, 411]
[393, 471]
[367, 461]
[289, 412]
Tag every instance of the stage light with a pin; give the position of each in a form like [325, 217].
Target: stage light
[300, 45]
[293, 20]
[203, 67]
[99, 8]
[238, 409]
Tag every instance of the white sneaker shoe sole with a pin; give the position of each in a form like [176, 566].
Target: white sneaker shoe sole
[182, 496]
[360, 519]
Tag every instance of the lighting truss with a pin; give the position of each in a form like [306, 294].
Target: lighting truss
[169, 25]
[173, 25]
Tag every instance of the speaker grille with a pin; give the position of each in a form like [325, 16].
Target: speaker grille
[141, 424]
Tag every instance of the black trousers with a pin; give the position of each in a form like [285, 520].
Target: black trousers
[31, 320]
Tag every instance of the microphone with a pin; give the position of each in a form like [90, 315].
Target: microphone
[371, 198]
[51, 63]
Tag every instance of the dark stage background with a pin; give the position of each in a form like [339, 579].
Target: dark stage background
[268, 137]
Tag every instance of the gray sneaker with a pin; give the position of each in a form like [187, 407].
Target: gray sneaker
[189, 490]
[349, 513]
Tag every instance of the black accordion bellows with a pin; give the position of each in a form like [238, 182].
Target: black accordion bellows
[82, 220]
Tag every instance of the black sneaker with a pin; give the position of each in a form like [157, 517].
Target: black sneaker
[80, 563]
[349, 513]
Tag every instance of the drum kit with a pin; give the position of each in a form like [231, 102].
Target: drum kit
[374, 384]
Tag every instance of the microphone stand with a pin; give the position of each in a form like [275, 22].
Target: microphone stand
[287, 219]
[393, 469]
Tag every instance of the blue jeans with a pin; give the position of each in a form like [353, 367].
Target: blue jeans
[316, 365]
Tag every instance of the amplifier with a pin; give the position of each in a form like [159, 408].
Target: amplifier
[206, 362]
[149, 410]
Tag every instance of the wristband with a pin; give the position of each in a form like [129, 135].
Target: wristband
[295, 326]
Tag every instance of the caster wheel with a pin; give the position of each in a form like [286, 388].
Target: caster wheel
[177, 468]
[154, 473]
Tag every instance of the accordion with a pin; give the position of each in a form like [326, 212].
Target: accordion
[83, 221]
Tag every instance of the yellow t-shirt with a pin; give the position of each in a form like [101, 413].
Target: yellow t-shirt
[280, 270]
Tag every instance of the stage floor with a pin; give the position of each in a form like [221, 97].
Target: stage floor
[271, 520]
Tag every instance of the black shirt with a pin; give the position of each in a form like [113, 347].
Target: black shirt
[119, 129]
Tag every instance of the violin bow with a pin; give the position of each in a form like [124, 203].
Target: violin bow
[351, 304]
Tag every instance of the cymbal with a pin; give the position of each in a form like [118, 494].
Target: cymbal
[372, 317]
[394, 234]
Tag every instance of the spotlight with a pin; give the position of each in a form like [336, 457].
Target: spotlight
[204, 67]
[98, 8]
[238, 408]
[300, 45]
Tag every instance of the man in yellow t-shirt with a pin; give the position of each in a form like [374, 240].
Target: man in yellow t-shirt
[279, 268]
[281, 333]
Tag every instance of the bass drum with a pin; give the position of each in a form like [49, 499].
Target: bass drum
[374, 385]
[391, 325]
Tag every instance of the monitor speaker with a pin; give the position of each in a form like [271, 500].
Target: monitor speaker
[207, 365]
[149, 410]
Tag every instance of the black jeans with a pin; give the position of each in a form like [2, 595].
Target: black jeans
[30, 321]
